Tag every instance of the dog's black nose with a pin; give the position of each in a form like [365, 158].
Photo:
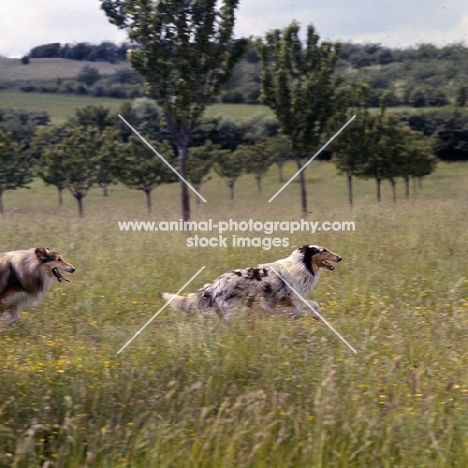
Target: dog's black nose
[73, 269]
[339, 259]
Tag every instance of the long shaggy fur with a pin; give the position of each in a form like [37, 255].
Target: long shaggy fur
[26, 277]
[261, 284]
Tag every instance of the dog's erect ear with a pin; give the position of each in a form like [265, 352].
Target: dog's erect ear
[41, 254]
[303, 248]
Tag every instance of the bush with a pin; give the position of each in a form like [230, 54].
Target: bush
[232, 97]
[45, 51]
[48, 89]
[116, 92]
[25, 60]
[89, 76]
[28, 89]
[253, 95]
[417, 98]
[80, 89]
[99, 91]
[69, 87]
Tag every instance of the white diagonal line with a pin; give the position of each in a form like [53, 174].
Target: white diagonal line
[312, 158]
[314, 311]
[178, 175]
[160, 310]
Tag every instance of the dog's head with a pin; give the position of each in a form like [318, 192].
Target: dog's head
[54, 262]
[316, 257]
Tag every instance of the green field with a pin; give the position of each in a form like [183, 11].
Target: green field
[43, 70]
[61, 106]
[259, 391]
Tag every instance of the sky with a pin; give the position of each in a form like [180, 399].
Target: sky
[396, 23]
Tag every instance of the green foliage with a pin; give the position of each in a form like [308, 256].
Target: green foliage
[380, 147]
[21, 124]
[261, 126]
[280, 150]
[230, 165]
[200, 162]
[462, 96]
[94, 116]
[418, 155]
[16, 167]
[299, 84]
[139, 168]
[229, 133]
[73, 158]
[187, 52]
[395, 151]
[258, 159]
[81, 147]
[53, 165]
[353, 146]
[106, 51]
[88, 75]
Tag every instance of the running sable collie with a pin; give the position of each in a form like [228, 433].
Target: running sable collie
[301, 270]
[26, 277]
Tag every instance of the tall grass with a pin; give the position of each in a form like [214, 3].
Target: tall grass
[260, 391]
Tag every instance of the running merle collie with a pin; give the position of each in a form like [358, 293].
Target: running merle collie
[265, 284]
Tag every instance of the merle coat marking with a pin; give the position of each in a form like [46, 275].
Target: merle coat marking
[260, 284]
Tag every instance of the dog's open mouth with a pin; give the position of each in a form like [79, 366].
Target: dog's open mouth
[327, 265]
[59, 276]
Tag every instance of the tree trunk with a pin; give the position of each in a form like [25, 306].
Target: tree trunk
[303, 187]
[105, 193]
[184, 194]
[79, 200]
[231, 188]
[258, 178]
[148, 200]
[378, 188]
[1, 202]
[60, 196]
[280, 171]
[197, 188]
[392, 181]
[407, 187]
[349, 174]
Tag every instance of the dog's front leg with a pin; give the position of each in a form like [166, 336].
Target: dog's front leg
[316, 308]
[14, 316]
[297, 310]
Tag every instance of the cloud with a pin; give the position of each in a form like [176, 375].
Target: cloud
[25, 24]
[390, 22]
[398, 23]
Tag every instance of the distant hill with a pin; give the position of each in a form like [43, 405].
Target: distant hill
[420, 76]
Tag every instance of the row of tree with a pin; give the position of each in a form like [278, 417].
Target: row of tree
[96, 148]
[380, 146]
[106, 51]
[187, 53]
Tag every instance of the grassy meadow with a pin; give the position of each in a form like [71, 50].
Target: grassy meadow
[61, 106]
[260, 391]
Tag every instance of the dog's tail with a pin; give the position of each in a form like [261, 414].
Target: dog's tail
[176, 301]
[186, 303]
